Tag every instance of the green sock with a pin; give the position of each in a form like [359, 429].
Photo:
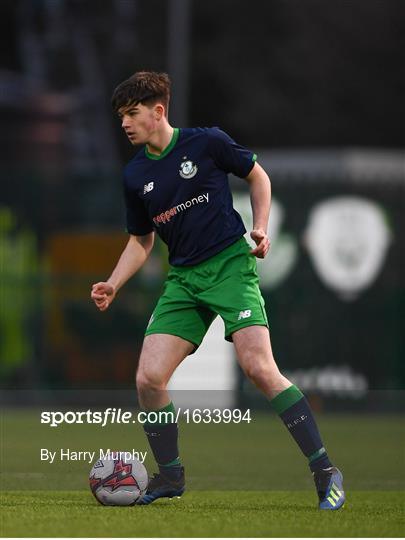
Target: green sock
[162, 432]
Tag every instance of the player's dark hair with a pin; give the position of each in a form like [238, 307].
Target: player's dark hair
[145, 87]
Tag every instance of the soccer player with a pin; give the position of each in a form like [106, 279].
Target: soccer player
[177, 186]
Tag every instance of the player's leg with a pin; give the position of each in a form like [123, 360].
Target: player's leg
[160, 355]
[255, 355]
[177, 327]
[253, 348]
[235, 295]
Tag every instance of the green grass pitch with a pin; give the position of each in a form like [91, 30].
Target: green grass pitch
[203, 513]
[242, 480]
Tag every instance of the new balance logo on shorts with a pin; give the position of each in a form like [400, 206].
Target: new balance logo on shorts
[245, 314]
[148, 187]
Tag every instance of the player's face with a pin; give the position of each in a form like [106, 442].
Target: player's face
[138, 122]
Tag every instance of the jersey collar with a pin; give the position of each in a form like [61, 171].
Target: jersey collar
[169, 147]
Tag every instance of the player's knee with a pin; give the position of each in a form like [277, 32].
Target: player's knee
[149, 381]
[256, 372]
[258, 368]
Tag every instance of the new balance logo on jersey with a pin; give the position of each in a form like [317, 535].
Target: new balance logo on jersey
[245, 314]
[148, 187]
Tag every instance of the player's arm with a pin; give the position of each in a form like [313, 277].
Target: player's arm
[132, 258]
[260, 198]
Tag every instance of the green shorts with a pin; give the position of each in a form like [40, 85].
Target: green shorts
[226, 284]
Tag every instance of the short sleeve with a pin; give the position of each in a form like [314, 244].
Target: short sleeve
[137, 219]
[228, 155]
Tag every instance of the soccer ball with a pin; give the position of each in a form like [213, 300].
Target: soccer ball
[119, 480]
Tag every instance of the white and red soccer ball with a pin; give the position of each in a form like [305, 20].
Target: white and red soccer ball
[118, 482]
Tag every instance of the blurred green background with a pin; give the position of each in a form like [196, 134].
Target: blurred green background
[314, 88]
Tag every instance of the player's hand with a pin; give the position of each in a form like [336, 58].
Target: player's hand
[262, 243]
[102, 295]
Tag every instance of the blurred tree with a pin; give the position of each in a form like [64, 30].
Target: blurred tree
[289, 73]
[19, 294]
[274, 73]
